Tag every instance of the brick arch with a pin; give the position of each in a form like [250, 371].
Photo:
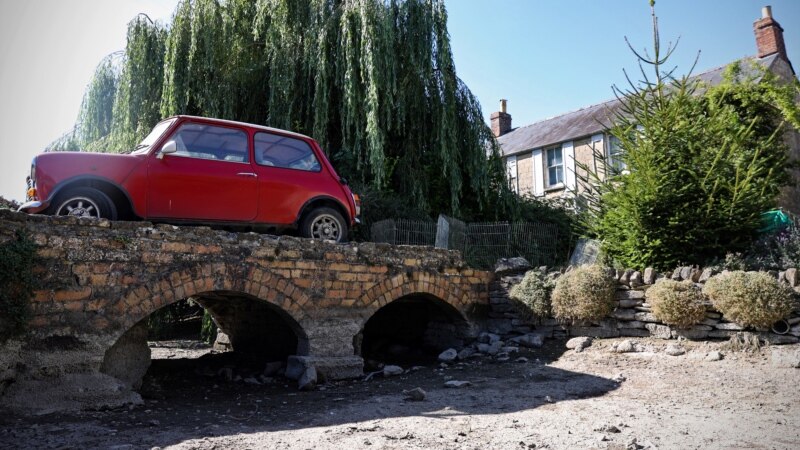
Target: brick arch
[260, 283]
[391, 289]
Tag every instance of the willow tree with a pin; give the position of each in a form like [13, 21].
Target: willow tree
[372, 80]
[138, 97]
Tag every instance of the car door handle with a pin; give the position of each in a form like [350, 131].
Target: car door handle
[246, 174]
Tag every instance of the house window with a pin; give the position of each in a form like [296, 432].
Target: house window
[511, 167]
[615, 154]
[555, 166]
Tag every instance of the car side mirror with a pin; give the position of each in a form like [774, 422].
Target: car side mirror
[169, 147]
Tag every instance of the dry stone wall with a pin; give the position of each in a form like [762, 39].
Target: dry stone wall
[632, 315]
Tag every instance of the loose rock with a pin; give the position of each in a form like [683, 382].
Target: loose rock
[415, 395]
[674, 350]
[308, 381]
[390, 371]
[456, 384]
[714, 356]
[579, 343]
[448, 355]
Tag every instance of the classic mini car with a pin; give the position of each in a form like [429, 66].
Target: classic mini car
[194, 170]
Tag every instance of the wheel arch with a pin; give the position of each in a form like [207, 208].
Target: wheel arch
[117, 194]
[321, 201]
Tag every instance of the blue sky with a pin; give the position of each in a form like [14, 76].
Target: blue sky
[546, 57]
[551, 57]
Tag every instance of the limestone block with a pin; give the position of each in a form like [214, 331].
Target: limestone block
[659, 331]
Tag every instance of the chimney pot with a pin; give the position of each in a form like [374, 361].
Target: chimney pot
[766, 12]
[503, 105]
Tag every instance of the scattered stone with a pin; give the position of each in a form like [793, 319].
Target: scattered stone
[456, 384]
[251, 380]
[490, 349]
[448, 355]
[713, 356]
[521, 359]
[502, 358]
[531, 340]
[466, 353]
[619, 378]
[488, 338]
[579, 343]
[308, 381]
[549, 399]
[785, 357]
[415, 395]
[675, 350]
[390, 371]
[626, 346]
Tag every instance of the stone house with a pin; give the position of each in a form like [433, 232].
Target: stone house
[543, 158]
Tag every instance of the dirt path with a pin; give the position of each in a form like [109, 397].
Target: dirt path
[557, 399]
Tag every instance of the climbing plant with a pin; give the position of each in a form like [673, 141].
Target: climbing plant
[17, 282]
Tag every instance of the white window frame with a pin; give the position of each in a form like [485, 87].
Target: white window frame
[614, 153]
[511, 170]
[559, 183]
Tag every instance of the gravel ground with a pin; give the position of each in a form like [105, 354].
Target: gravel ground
[557, 399]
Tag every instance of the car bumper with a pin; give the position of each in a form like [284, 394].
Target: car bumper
[33, 207]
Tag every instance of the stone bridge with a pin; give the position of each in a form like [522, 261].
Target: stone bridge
[276, 297]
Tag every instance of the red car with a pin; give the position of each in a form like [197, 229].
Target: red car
[202, 171]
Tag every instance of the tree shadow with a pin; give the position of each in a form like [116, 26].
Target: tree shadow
[194, 406]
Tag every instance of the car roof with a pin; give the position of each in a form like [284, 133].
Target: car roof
[242, 124]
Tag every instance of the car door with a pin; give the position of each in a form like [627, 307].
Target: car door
[289, 174]
[208, 177]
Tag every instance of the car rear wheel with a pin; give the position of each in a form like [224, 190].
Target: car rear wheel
[325, 224]
[85, 202]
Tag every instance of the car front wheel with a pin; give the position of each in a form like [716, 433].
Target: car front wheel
[85, 202]
[325, 224]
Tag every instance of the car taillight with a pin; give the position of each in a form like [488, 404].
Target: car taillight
[357, 201]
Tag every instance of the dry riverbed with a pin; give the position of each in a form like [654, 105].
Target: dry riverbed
[551, 398]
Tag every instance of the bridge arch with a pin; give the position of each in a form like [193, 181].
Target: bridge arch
[409, 320]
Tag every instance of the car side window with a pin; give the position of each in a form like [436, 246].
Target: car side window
[285, 152]
[195, 140]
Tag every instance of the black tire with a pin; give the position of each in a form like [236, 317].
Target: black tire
[84, 202]
[325, 224]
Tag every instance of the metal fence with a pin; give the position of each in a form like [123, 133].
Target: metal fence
[481, 243]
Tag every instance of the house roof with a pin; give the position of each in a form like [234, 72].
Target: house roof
[591, 119]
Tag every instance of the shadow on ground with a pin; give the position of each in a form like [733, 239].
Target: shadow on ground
[184, 405]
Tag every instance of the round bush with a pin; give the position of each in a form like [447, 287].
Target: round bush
[585, 293]
[754, 299]
[534, 292]
[678, 303]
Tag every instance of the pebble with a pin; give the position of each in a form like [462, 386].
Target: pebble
[456, 384]
[415, 395]
[448, 355]
[521, 359]
[674, 350]
[626, 346]
[579, 343]
[714, 356]
[390, 371]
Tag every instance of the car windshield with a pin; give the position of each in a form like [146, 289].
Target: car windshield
[159, 129]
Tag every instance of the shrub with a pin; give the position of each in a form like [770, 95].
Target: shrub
[534, 293]
[677, 303]
[754, 299]
[585, 293]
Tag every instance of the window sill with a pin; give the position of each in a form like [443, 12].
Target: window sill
[555, 187]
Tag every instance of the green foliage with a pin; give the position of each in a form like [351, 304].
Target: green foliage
[372, 80]
[702, 164]
[17, 283]
[534, 293]
[208, 328]
[679, 303]
[585, 293]
[754, 299]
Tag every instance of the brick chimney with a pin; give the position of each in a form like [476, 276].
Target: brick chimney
[769, 35]
[501, 120]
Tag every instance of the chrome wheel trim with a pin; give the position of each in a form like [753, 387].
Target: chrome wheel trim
[326, 227]
[79, 207]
